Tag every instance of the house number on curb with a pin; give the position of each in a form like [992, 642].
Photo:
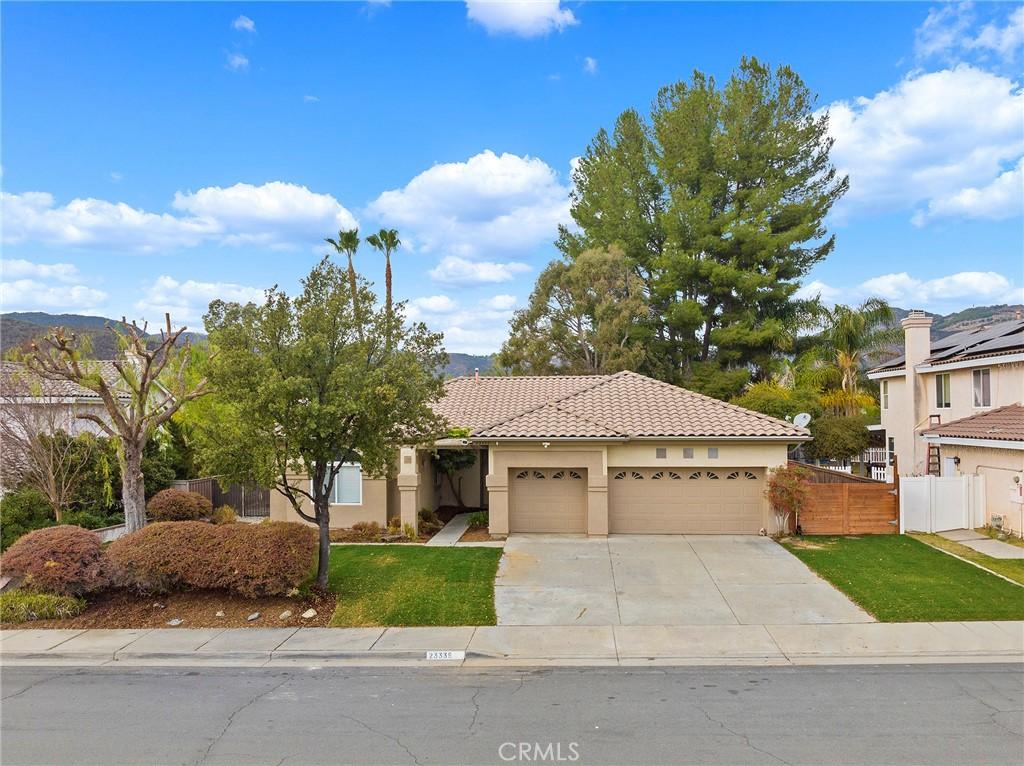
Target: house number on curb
[446, 655]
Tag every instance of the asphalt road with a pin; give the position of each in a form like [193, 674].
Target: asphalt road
[923, 714]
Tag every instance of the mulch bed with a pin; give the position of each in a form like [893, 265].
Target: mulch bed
[351, 536]
[477, 535]
[197, 609]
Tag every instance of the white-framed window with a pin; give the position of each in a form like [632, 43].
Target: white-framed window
[982, 380]
[348, 485]
[885, 394]
[942, 398]
[713, 453]
[687, 452]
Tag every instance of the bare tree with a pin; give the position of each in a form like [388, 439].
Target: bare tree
[38, 450]
[151, 384]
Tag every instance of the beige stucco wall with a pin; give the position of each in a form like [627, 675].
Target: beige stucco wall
[910, 408]
[373, 508]
[730, 454]
[999, 467]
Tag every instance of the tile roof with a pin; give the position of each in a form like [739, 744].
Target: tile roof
[993, 340]
[1003, 424]
[16, 379]
[619, 406]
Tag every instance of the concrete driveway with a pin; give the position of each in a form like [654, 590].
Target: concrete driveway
[662, 580]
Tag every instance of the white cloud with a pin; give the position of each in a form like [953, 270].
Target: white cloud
[237, 62]
[244, 24]
[590, 65]
[524, 18]
[458, 271]
[929, 138]
[1003, 198]
[277, 214]
[310, 99]
[32, 294]
[950, 32]
[946, 292]
[17, 268]
[818, 289]
[500, 302]
[115, 176]
[486, 204]
[187, 301]
[433, 304]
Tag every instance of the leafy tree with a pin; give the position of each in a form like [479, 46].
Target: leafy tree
[151, 384]
[788, 490]
[582, 318]
[781, 402]
[838, 437]
[718, 203]
[304, 384]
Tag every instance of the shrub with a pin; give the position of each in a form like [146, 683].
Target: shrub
[21, 512]
[409, 532]
[787, 492]
[64, 560]
[479, 519]
[176, 505]
[429, 521]
[249, 559]
[224, 515]
[367, 531]
[22, 606]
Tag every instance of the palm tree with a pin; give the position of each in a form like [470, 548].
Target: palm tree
[853, 333]
[347, 243]
[386, 241]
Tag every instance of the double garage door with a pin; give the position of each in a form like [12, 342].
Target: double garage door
[640, 501]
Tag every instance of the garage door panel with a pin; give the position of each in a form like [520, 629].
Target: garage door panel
[719, 501]
[549, 500]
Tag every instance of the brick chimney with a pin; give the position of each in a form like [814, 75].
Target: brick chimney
[917, 338]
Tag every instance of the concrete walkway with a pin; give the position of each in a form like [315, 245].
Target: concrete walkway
[525, 645]
[997, 549]
[451, 532]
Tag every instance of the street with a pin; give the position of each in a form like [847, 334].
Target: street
[915, 714]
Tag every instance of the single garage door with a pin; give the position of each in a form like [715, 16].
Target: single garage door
[681, 501]
[548, 500]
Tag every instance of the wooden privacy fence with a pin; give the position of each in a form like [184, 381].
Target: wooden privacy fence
[841, 504]
[247, 501]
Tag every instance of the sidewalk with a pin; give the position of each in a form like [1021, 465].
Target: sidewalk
[997, 549]
[492, 646]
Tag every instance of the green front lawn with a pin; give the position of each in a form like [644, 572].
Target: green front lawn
[899, 579]
[413, 585]
[1012, 568]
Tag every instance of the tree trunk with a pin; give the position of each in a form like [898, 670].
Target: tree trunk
[133, 487]
[455, 493]
[387, 284]
[323, 518]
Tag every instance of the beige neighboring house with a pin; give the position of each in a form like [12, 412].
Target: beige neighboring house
[44, 406]
[989, 444]
[593, 455]
[936, 382]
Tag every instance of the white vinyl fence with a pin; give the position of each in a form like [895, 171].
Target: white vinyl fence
[941, 503]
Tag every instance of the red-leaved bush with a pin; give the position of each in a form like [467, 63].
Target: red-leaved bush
[250, 559]
[64, 560]
[178, 505]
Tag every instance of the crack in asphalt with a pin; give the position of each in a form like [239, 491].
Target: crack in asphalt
[476, 708]
[995, 710]
[394, 739]
[235, 712]
[744, 737]
[41, 681]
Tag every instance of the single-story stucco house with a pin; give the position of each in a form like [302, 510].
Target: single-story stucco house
[592, 454]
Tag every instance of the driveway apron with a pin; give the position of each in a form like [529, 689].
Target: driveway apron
[662, 580]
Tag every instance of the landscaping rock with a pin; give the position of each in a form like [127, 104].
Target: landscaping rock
[158, 605]
[285, 614]
[292, 593]
[309, 614]
[253, 616]
[220, 614]
[175, 622]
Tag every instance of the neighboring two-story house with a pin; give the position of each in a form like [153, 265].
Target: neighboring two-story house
[939, 404]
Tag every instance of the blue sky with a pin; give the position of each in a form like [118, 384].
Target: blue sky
[158, 155]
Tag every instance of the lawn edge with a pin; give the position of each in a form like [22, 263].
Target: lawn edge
[967, 561]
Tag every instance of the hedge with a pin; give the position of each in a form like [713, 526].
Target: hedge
[252, 560]
[64, 560]
[178, 505]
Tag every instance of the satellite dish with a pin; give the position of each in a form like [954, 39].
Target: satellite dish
[802, 419]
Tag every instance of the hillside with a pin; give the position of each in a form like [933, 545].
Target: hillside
[19, 327]
[947, 324]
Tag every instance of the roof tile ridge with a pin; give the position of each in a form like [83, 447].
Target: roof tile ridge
[975, 416]
[601, 380]
[712, 399]
[558, 406]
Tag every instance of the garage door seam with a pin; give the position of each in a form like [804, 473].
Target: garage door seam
[615, 588]
[713, 580]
